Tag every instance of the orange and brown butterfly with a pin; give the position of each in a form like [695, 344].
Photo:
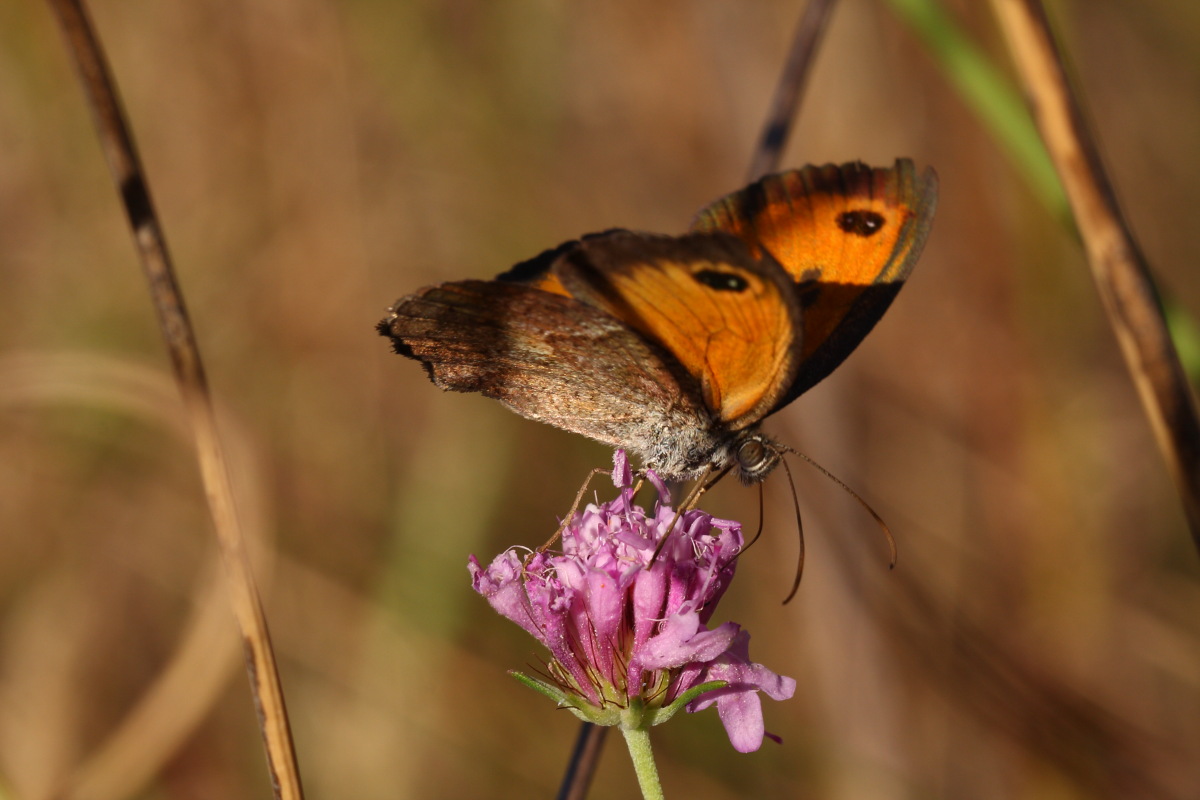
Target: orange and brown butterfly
[676, 347]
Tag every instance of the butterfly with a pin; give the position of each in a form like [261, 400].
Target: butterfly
[677, 347]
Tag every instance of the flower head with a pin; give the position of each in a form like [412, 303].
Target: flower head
[627, 630]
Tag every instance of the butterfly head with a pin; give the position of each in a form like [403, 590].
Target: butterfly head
[755, 456]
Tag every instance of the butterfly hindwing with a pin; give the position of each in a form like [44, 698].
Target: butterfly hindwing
[847, 235]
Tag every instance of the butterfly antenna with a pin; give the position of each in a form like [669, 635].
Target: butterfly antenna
[887, 532]
[761, 517]
[799, 532]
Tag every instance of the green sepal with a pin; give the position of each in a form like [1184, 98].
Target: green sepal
[573, 703]
[658, 716]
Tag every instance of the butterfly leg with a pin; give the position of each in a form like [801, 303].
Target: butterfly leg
[574, 507]
[705, 482]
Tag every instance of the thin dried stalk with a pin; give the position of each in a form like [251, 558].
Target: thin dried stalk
[117, 142]
[589, 744]
[789, 91]
[1120, 270]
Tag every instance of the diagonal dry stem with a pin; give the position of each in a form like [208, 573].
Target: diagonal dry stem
[1120, 270]
[790, 90]
[589, 744]
[121, 154]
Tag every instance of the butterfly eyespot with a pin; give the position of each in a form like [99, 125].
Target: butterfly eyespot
[721, 281]
[860, 223]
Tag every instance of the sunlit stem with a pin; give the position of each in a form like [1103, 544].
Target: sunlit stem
[638, 741]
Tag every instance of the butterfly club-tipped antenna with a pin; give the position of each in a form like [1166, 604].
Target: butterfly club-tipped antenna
[761, 519]
[753, 454]
[887, 531]
[757, 457]
[799, 532]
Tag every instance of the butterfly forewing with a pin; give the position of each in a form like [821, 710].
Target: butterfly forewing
[728, 318]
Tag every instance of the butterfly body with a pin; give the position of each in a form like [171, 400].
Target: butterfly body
[571, 361]
[676, 347]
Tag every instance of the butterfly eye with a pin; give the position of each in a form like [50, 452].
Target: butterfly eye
[751, 452]
[721, 281]
[756, 456]
[860, 223]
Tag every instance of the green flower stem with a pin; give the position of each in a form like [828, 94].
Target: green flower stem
[638, 741]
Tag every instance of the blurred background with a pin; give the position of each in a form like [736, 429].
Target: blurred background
[314, 160]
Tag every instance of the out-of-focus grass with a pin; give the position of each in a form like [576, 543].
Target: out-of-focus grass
[988, 92]
[315, 160]
[1186, 335]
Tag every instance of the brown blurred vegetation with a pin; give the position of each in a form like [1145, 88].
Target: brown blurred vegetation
[314, 160]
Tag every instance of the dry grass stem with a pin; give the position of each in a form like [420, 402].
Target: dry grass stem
[789, 91]
[126, 169]
[1120, 270]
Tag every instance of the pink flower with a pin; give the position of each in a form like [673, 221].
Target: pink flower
[628, 639]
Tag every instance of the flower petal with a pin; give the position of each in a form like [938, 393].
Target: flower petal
[500, 583]
[628, 629]
[683, 639]
[622, 475]
[741, 714]
[603, 610]
[664, 494]
[738, 703]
